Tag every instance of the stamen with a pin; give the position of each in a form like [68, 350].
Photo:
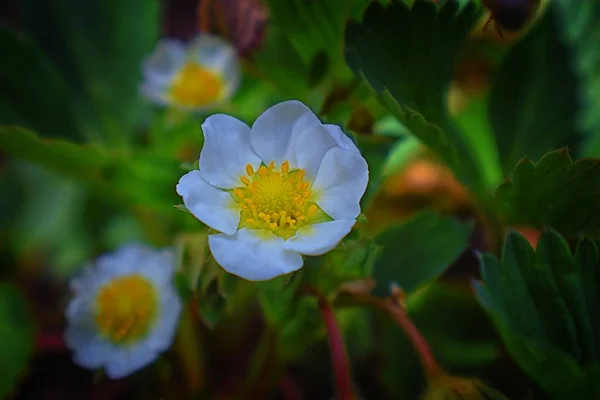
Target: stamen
[275, 199]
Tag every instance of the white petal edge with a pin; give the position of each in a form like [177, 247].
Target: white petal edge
[341, 182]
[253, 257]
[218, 55]
[129, 359]
[163, 333]
[312, 145]
[210, 205]
[226, 152]
[275, 131]
[212, 52]
[318, 239]
[164, 62]
[341, 138]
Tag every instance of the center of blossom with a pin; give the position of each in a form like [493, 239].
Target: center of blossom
[195, 86]
[125, 308]
[276, 199]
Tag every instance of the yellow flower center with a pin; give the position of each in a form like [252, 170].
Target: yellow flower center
[196, 86]
[125, 308]
[278, 200]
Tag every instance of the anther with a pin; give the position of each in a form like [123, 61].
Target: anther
[249, 170]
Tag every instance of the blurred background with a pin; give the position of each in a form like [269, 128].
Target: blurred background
[71, 71]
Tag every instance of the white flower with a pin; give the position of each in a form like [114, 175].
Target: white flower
[288, 186]
[124, 311]
[194, 76]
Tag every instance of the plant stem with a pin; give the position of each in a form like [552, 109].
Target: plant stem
[339, 357]
[398, 313]
[428, 362]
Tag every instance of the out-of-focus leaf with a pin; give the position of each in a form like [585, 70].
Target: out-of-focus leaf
[579, 24]
[314, 27]
[375, 150]
[587, 262]
[148, 178]
[99, 45]
[554, 192]
[351, 261]
[419, 250]
[16, 335]
[280, 64]
[533, 103]
[318, 68]
[34, 93]
[82, 162]
[477, 129]
[411, 73]
[191, 249]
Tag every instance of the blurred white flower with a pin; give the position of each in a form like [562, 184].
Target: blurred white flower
[191, 76]
[124, 311]
[289, 186]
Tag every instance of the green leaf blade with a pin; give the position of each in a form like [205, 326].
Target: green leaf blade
[419, 250]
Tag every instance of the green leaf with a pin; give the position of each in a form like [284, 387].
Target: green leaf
[16, 335]
[555, 371]
[34, 93]
[411, 73]
[539, 303]
[507, 285]
[419, 250]
[554, 192]
[554, 254]
[533, 104]
[579, 25]
[351, 261]
[314, 27]
[100, 50]
[82, 162]
[587, 262]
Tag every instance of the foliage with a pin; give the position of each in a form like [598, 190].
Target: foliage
[504, 256]
[16, 334]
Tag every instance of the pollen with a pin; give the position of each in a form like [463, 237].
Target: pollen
[276, 198]
[195, 86]
[125, 308]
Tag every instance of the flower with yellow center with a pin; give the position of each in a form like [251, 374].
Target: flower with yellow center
[195, 76]
[124, 311]
[289, 186]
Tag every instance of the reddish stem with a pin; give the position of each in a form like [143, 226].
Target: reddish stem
[428, 362]
[339, 357]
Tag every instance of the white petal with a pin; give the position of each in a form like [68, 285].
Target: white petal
[81, 336]
[156, 94]
[129, 359]
[341, 138]
[158, 266]
[226, 152]
[164, 62]
[210, 205]
[163, 333]
[275, 131]
[212, 52]
[218, 55]
[254, 257]
[312, 145]
[341, 182]
[318, 239]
